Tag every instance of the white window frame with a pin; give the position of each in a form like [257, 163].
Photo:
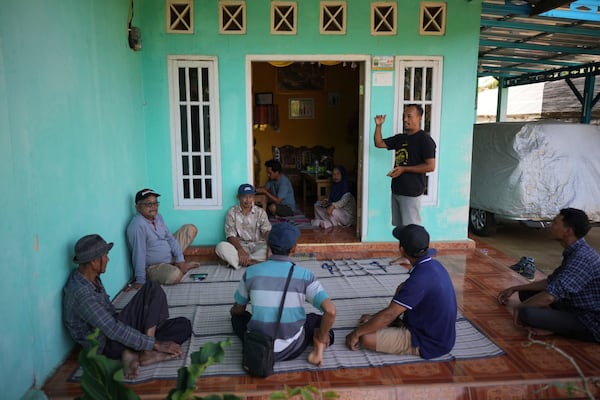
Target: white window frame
[436, 63]
[174, 63]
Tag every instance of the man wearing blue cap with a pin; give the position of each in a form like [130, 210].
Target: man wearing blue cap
[426, 302]
[246, 229]
[263, 284]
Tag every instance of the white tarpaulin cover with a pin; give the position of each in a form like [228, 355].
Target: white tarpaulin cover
[530, 170]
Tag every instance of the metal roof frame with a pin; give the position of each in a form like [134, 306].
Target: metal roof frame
[521, 40]
[529, 41]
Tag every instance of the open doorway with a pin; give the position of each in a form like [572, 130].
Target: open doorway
[308, 113]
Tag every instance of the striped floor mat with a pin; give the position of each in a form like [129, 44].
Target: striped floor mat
[356, 287]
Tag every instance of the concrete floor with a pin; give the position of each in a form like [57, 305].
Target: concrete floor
[516, 240]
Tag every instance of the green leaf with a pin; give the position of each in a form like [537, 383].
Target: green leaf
[102, 377]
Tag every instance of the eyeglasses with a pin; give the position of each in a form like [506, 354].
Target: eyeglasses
[150, 205]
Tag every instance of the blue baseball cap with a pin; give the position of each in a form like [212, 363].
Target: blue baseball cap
[246, 188]
[283, 236]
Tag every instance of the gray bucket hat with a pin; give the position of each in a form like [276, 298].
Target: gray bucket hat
[90, 247]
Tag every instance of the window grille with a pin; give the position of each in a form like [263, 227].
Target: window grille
[432, 19]
[180, 16]
[195, 147]
[284, 17]
[383, 18]
[332, 17]
[232, 17]
[420, 82]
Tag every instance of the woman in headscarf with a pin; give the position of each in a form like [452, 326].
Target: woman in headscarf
[340, 208]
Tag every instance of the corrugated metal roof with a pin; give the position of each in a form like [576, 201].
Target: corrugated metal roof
[516, 42]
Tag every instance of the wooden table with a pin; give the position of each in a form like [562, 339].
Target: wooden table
[319, 185]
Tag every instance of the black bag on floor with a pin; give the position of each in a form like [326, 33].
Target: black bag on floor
[258, 356]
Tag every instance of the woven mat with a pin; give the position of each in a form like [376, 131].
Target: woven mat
[356, 287]
[298, 219]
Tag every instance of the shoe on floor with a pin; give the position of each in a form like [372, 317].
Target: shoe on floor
[520, 266]
[529, 271]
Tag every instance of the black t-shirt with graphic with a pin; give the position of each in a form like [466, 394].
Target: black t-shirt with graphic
[410, 150]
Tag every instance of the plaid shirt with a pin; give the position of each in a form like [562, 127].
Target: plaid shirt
[576, 284]
[86, 306]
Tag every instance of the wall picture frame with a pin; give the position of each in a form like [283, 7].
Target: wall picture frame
[301, 108]
[265, 98]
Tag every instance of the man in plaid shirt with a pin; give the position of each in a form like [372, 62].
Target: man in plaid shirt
[566, 303]
[140, 334]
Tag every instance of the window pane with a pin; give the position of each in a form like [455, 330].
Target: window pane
[193, 84]
[186, 188]
[205, 85]
[197, 188]
[195, 129]
[197, 165]
[185, 164]
[407, 85]
[206, 119]
[427, 119]
[208, 188]
[418, 89]
[428, 83]
[184, 130]
[207, 166]
[182, 91]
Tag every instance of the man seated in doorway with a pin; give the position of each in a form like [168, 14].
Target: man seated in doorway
[246, 229]
[262, 286]
[156, 254]
[567, 302]
[279, 191]
[426, 301]
[140, 334]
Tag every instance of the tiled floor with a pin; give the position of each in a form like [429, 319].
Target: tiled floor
[524, 372]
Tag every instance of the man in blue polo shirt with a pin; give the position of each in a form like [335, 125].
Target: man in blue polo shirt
[426, 302]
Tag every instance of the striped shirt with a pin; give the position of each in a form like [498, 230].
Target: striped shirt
[262, 285]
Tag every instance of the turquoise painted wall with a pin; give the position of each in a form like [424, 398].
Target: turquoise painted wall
[71, 155]
[84, 123]
[446, 221]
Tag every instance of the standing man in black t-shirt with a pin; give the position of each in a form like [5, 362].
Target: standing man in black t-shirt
[415, 156]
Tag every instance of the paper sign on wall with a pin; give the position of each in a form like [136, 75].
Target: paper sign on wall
[383, 79]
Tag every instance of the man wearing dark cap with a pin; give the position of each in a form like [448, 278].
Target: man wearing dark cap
[263, 284]
[140, 334]
[155, 253]
[246, 229]
[426, 302]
